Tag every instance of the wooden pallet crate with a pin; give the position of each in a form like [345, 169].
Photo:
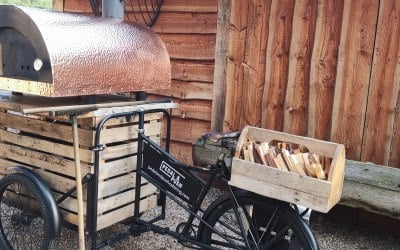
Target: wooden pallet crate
[319, 195]
[44, 143]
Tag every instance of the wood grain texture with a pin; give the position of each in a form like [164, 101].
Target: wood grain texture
[45, 146]
[254, 65]
[372, 187]
[353, 92]
[236, 53]
[370, 198]
[182, 151]
[188, 131]
[353, 75]
[83, 6]
[192, 71]
[43, 160]
[58, 5]
[180, 22]
[187, 90]
[384, 87]
[317, 194]
[297, 93]
[193, 109]
[394, 157]
[323, 67]
[47, 129]
[190, 109]
[277, 63]
[190, 46]
[219, 83]
[182, 5]
[77, 6]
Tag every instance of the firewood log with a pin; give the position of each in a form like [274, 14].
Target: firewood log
[261, 154]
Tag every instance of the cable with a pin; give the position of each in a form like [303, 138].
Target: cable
[148, 9]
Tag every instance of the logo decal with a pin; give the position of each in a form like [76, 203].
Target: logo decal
[172, 174]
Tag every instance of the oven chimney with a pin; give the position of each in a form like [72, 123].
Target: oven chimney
[113, 8]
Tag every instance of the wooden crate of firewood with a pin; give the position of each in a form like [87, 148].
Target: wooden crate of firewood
[295, 169]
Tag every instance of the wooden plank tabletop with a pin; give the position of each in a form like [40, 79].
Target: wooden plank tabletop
[106, 104]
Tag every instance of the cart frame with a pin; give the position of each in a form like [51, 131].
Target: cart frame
[237, 199]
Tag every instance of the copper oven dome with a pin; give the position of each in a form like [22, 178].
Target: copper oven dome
[78, 55]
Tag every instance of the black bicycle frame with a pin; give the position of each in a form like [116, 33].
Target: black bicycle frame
[92, 206]
[190, 204]
[193, 204]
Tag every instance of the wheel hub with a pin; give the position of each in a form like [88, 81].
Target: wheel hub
[20, 220]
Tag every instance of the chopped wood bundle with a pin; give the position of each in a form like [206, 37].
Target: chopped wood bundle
[287, 157]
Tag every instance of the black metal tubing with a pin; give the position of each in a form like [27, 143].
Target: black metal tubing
[191, 209]
[177, 235]
[168, 116]
[55, 222]
[92, 206]
[85, 180]
[139, 159]
[142, 136]
[205, 186]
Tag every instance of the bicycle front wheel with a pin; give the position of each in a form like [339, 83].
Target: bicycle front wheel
[257, 223]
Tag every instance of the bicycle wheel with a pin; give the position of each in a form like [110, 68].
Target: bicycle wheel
[24, 214]
[266, 224]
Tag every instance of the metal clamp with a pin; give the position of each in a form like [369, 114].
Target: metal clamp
[98, 148]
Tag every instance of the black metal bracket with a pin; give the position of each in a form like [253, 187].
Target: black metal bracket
[87, 178]
[98, 148]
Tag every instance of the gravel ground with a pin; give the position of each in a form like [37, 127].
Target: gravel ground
[338, 235]
[330, 234]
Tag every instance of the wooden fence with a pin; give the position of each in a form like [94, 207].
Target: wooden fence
[326, 69]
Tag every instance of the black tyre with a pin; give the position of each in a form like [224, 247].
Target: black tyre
[24, 214]
[267, 224]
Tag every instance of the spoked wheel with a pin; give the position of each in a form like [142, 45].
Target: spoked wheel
[24, 214]
[266, 224]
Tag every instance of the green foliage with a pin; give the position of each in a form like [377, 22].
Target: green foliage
[44, 4]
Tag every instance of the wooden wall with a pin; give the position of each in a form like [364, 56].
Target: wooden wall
[328, 69]
[188, 29]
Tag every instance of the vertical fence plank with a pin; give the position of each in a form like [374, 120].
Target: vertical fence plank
[277, 63]
[236, 53]
[355, 58]
[77, 6]
[254, 68]
[323, 67]
[297, 94]
[383, 92]
[58, 5]
[219, 85]
[394, 157]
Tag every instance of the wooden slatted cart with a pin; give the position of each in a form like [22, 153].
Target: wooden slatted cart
[35, 132]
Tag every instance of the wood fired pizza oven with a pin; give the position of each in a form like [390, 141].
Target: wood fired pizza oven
[61, 54]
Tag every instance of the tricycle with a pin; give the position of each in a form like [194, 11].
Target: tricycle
[32, 211]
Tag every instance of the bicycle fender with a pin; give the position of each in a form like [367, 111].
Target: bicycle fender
[55, 223]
